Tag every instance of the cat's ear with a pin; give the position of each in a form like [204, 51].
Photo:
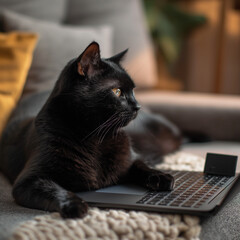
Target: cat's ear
[88, 61]
[118, 57]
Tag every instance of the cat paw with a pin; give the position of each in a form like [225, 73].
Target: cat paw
[74, 208]
[159, 181]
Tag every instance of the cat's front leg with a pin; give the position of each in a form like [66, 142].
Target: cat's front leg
[153, 179]
[44, 194]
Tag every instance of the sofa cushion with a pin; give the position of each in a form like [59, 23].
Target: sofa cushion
[215, 116]
[57, 45]
[15, 59]
[221, 147]
[130, 31]
[53, 10]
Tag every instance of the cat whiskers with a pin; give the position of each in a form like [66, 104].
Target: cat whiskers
[120, 124]
[117, 123]
[107, 128]
[100, 127]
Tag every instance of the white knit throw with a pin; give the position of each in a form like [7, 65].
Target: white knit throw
[119, 224]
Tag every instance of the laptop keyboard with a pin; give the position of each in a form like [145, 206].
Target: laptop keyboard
[192, 189]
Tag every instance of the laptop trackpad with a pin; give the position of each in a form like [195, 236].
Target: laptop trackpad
[124, 189]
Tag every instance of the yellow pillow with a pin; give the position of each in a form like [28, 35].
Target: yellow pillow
[16, 50]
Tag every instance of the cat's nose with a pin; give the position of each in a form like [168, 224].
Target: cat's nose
[137, 107]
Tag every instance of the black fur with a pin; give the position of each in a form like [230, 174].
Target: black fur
[77, 142]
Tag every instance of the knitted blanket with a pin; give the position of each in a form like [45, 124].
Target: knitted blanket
[119, 224]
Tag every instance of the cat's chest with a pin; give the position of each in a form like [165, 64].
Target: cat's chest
[114, 159]
[96, 165]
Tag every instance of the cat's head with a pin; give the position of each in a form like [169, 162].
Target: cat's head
[99, 90]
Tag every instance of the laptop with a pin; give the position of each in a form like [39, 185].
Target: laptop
[193, 193]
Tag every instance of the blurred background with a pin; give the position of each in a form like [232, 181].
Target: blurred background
[197, 44]
[184, 55]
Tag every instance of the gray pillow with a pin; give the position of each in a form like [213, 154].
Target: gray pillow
[125, 16]
[130, 31]
[57, 45]
[52, 10]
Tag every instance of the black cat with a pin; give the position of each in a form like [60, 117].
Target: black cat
[77, 141]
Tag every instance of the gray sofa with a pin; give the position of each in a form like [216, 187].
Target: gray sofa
[118, 25]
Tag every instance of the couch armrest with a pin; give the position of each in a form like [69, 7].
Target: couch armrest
[217, 116]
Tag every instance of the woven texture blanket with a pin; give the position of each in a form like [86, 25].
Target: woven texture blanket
[119, 224]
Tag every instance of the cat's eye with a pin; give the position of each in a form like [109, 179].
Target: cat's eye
[117, 92]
